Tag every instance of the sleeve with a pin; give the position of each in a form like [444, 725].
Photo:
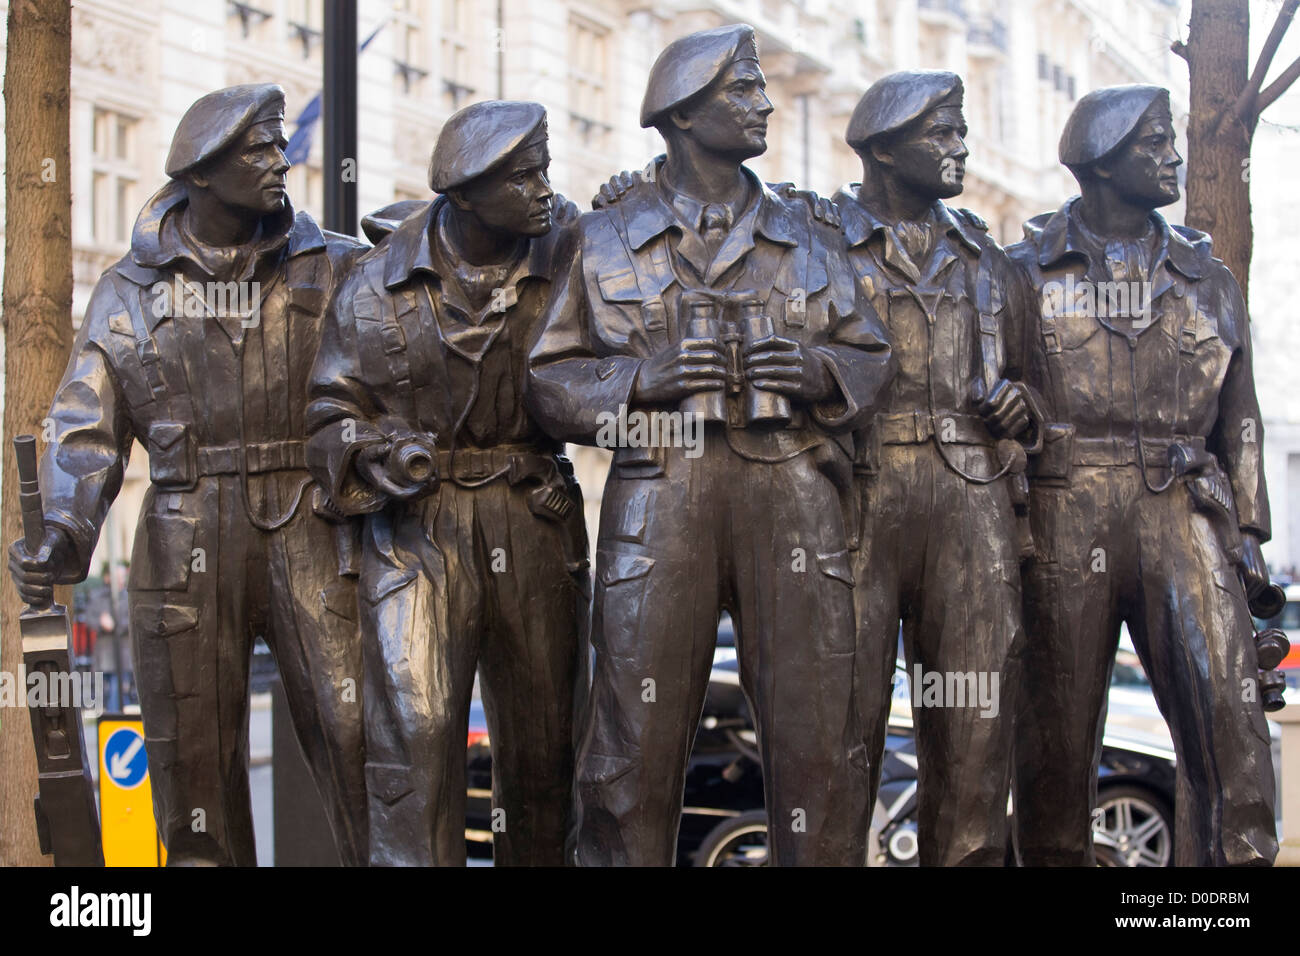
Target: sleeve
[856, 352]
[342, 408]
[1237, 439]
[1025, 361]
[1020, 312]
[81, 470]
[572, 391]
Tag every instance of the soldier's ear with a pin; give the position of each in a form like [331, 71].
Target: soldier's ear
[680, 119]
[195, 177]
[881, 151]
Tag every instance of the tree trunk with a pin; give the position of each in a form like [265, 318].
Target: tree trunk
[37, 309]
[1218, 187]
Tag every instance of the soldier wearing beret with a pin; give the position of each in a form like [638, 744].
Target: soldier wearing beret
[1148, 502]
[198, 343]
[474, 553]
[702, 292]
[939, 468]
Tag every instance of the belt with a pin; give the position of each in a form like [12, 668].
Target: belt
[287, 455]
[513, 463]
[1107, 452]
[917, 428]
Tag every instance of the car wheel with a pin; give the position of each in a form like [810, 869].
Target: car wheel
[1132, 826]
[737, 841]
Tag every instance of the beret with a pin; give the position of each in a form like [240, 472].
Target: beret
[216, 120]
[1102, 120]
[479, 137]
[689, 64]
[895, 100]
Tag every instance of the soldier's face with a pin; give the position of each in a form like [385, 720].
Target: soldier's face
[730, 118]
[1145, 169]
[515, 198]
[250, 174]
[930, 154]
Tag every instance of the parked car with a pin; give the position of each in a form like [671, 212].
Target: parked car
[724, 823]
[1132, 826]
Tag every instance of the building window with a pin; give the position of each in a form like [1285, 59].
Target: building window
[306, 184]
[457, 39]
[306, 23]
[589, 81]
[410, 22]
[114, 196]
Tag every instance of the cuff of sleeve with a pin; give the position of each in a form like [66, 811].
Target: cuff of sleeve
[351, 493]
[1262, 534]
[839, 410]
[82, 535]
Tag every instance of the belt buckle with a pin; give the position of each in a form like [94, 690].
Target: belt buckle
[476, 466]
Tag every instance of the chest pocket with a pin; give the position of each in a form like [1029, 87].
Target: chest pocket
[643, 315]
[1066, 318]
[371, 342]
[133, 349]
[797, 284]
[127, 361]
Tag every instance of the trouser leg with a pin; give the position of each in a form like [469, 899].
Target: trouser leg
[1195, 641]
[654, 627]
[315, 637]
[529, 664]
[968, 644]
[420, 645]
[796, 639]
[878, 577]
[1072, 622]
[191, 645]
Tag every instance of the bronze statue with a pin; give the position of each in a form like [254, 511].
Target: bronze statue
[474, 550]
[1148, 500]
[198, 343]
[702, 294]
[940, 470]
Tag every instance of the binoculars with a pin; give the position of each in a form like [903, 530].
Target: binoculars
[1271, 646]
[413, 460]
[738, 321]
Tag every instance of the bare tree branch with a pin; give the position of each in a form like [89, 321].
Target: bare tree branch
[1179, 48]
[1277, 88]
[1244, 108]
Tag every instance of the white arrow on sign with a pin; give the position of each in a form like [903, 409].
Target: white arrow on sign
[119, 766]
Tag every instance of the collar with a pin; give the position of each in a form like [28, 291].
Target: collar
[861, 224]
[411, 249]
[1062, 234]
[648, 214]
[156, 239]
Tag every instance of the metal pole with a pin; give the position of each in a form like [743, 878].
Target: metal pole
[114, 609]
[339, 104]
[501, 49]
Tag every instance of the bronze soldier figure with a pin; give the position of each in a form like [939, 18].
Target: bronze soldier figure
[1148, 500]
[474, 553]
[939, 544]
[198, 343]
[700, 291]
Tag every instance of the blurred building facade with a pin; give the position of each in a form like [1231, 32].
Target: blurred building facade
[137, 66]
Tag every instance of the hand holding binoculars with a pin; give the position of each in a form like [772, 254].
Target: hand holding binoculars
[739, 322]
